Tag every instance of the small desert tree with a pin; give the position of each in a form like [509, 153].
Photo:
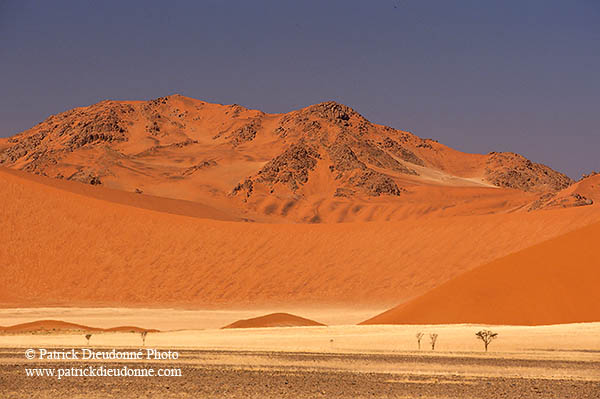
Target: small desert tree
[433, 339]
[486, 336]
[419, 337]
[144, 334]
[87, 337]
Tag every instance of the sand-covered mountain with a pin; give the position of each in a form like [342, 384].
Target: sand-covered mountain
[322, 163]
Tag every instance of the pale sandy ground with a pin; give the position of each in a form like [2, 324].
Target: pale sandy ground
[200, 329]
[340, 361]
[571, 341]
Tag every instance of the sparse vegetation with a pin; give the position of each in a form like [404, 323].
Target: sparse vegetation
[433, 339]
[419, 337]
[486, 336]
[87, 337]
[144, 334]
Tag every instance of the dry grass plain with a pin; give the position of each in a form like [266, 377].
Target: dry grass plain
[340, 361]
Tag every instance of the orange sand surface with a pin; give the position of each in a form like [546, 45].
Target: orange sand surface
[554, 282]
[66, 247]
[274, 320]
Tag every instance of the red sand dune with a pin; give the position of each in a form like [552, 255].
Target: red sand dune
[62, 247]
[274, 320]
[63, 326]
[47, 325]
[129, 329]
[557, 281]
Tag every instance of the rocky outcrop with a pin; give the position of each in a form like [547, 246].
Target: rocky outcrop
[505, 169]
[375, 184]
[244, 134]
[551, 200]
[202, 165]
[400, 151]
[87, 177]
[374, 155]
[290, 168]
[331, 110]
[343, 157]
[247, 187]
[241, 135]
[21, 146]
[588, 175]
[49, 141]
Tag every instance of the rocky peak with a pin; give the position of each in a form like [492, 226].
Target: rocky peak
[507, 169]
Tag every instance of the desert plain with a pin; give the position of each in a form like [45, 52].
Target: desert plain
[339, 361]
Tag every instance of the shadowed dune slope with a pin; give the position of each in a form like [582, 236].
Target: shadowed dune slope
[62, 248]
[274, 320]
[150, 202]
[554, 282]
[63, 326]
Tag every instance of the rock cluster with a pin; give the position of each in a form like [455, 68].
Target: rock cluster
[400, 151]
[551, 200]
[86, 176]
[241, 135]
[592, 173]
[375, 156]
[343, 157]
[244, 134]
[67, 132]
[511, 170]
[375, 184]
[291, 167]
[332, 110]
[202, 165]
[247, 186]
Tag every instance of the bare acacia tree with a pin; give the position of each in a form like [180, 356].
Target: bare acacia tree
[144, 334]
[88, 336]
[433, 338]
[486, 336]
[419, 337]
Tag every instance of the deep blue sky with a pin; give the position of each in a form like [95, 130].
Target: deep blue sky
[477, 75]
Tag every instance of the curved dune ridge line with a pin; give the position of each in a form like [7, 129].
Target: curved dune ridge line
[144, 201]
[554, 282]
[274, 320]
[63, 248]
[63, 326]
